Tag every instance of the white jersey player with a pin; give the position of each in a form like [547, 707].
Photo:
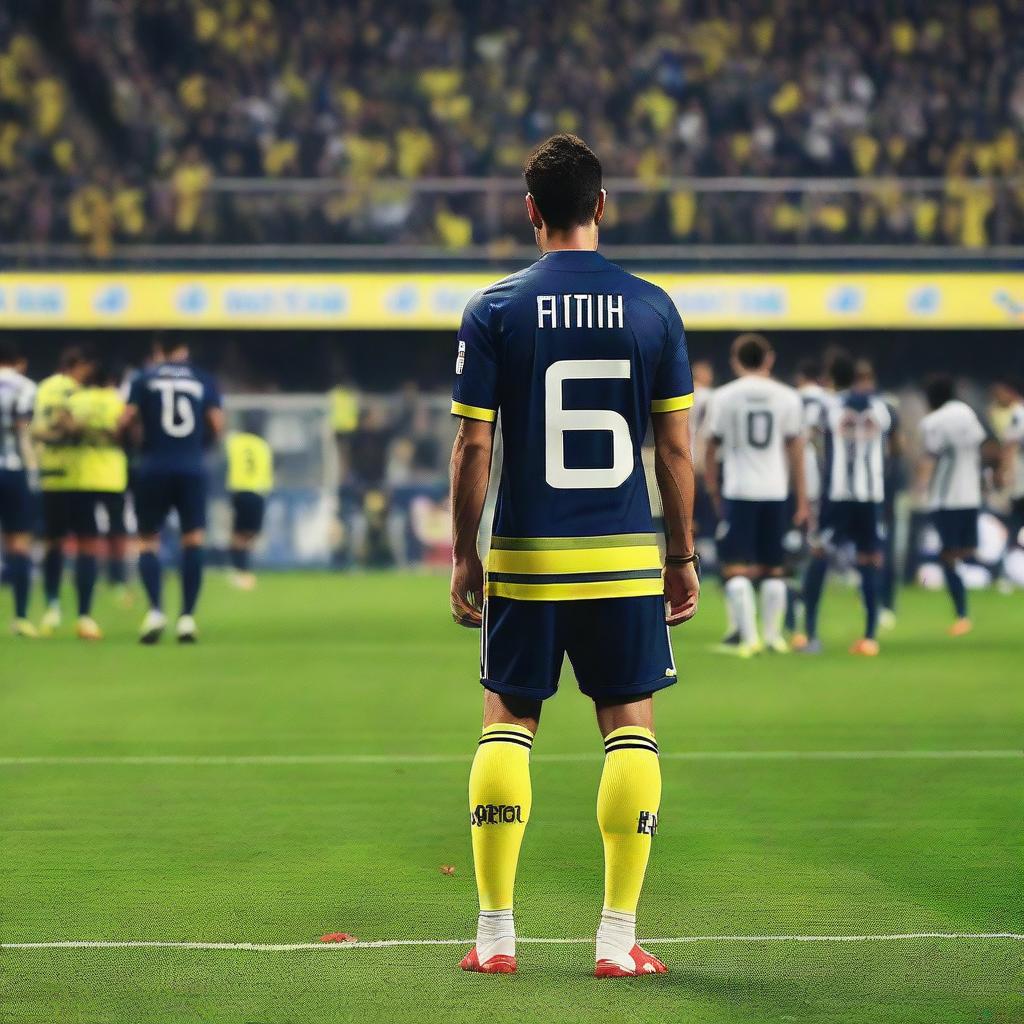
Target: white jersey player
[755, 428]
[855, 424]
[815, 399]
[17, 397]
[950, 474]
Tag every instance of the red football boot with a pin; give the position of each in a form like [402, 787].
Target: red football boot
[643, 961]
[498, 964]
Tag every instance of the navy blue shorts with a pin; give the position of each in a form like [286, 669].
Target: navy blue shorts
[751, 533]
[69, 514]
[618, 647]
[159, 491]
[113, 503]
[852, 522]
[958, 528]
[17, 512]
[248, 507]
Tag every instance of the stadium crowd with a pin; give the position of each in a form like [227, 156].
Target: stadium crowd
[117, 119]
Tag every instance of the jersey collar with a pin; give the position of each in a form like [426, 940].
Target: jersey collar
[576, 260]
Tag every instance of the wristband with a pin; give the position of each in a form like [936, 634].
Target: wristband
[691, 559]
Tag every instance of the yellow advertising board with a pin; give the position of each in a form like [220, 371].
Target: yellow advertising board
[416, 301]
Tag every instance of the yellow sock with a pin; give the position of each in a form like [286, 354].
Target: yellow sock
[627, 811]
[499, 806]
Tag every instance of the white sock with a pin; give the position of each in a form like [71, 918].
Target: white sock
[739, 592]
[616, 936]
[495, 934]
[773, 608]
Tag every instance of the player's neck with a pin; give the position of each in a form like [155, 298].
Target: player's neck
[582, 238]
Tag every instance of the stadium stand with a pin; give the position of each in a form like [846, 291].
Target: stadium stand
[192, 113]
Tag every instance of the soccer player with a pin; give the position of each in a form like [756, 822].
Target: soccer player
[250, 480]
[177, 409]
[950, 476]
[814, 397]
[17, 397]
[1010, 403]
[575, 354]
[66, 511]
[103, 466]
[756, 430]
[894, 481]
[854, 427]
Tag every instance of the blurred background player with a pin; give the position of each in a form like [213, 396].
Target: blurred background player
[755, 429]
[1009, 405]
[175, 408]
[894, 482]
[17, 508]
[96, 411]
[67, 511]
[574, 567]
[250, 479]
[854, 428]
[949, 479]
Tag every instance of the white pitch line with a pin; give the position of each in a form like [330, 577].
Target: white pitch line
[213, 760]
[282, 947]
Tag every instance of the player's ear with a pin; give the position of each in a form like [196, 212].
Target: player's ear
[533, 213]
[599, 211]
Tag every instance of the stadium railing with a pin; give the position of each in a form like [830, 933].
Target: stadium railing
[459, 219]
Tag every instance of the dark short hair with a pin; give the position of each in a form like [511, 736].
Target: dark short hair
[751, 350]
[939, 389]
[842, 370]
[75, 355]
[164, 344]
[809, 368]
[564, 178]
[8, 352]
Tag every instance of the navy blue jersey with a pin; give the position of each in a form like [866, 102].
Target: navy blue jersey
[173, 399]
[575, 353]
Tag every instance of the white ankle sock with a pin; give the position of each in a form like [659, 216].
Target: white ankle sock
[773, 608]
[739, 592]
[495, 934]
[616, 936]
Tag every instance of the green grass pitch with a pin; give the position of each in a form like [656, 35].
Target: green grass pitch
[363, 667]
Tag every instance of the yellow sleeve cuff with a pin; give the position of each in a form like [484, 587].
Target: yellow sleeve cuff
[475, 412]
[672, 404]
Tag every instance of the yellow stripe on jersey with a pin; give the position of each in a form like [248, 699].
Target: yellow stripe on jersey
[102, 463]
[575, 560]
[574, 568]
[672, 404]
[474, 412]
[576, 591]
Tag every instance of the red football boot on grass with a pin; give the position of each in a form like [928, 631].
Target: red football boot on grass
[643, 962]
[497, 964]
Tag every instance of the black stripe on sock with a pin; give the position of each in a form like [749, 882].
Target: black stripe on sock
[631, 746]
[630, 739]
[509, 732]
[505, 739]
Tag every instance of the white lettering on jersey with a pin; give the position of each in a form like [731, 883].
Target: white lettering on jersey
[580, 310]
[177, 417]
[952, 436]
[559, 420]
[752, 418]
[460, 361]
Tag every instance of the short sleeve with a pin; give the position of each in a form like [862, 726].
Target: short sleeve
[673, 382]
[931, 437]
[475, 388]
[135, 391]
[26, 402]
[882, 416]
[211, 394]
[793, 416]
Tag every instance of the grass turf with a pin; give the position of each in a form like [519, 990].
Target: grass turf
[311, 665]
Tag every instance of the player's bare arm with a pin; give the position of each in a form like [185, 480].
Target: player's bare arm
[673, 462]
[711, 474]
[470, 473]
[214, 424]
[795, 456]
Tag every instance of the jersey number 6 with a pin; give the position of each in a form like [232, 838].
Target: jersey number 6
[177, 416]
[559, 420]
